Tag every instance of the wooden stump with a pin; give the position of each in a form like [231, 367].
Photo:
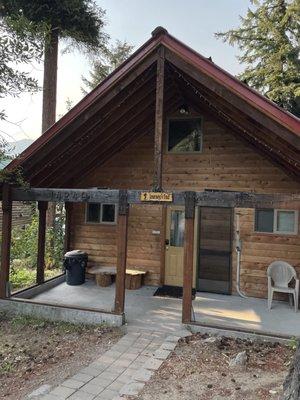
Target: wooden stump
[103, 280]
[133, 282]
[291, 385]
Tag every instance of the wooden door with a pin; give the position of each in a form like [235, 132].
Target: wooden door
[174, 246]
[215, 246]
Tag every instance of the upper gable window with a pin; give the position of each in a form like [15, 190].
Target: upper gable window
[185, 135]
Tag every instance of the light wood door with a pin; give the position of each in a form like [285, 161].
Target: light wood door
[174, 246]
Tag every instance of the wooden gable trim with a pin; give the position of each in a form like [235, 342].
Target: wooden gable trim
[220, 76]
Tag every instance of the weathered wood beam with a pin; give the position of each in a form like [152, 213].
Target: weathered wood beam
[163, 244]
[159, 112]
[68, 226]
[204, 199]
[6, 240]
[122, 231]
[188, 256]
[40, 265]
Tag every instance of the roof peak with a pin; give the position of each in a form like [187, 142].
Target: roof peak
[159, 30]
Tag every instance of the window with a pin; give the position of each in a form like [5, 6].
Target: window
[177, 228]
[185, 135]
[101, 213]
[276, 221]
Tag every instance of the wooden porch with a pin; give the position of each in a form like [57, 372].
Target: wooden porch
[210, 311]
[124, 198]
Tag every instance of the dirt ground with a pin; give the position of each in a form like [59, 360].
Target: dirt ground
[36, 352]
[199, 370]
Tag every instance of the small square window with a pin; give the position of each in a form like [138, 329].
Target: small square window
[101, 213]
[108, 214]
[93, 212]
[286, 221]
[264, 220]
[185, 135]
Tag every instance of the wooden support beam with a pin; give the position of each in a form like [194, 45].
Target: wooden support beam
[188, 256]
[208, 198]
[68, 226]
[121, 252]
[158, 134]
[163, 244]
[40, 265]
[6, 240]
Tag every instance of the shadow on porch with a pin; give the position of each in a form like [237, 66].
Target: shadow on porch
[143, 310]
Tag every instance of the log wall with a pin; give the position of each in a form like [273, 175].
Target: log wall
[226, 163]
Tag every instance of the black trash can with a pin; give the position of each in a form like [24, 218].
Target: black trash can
[75, 263]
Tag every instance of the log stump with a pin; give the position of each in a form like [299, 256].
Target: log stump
[103, 280]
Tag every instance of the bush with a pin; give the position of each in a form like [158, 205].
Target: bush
[24, 246]
[25, 241]
[22, 277]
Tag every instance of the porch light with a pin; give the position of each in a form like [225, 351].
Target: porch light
[184, 109]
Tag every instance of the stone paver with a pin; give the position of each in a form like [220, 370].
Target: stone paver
[122, 370]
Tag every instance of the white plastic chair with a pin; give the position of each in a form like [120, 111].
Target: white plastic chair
[280, 274]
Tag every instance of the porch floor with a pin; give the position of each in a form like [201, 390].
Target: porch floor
[145, 311]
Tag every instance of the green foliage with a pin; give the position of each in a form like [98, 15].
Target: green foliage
[269, 41]
[110, 59]
[78, 21]
[293, 343]
[13, 177]
[24, 250]
[17, 45]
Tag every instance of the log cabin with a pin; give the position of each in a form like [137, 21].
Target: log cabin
[169, 120]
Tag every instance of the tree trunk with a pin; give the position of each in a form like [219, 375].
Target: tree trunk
[49, 97]
[291, 386]
[50, 81]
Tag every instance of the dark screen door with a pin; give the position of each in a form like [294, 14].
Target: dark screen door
[214, 256]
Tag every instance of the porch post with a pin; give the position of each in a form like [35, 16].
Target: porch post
[188, 256]
[121, 252]
[40, 267]
[159, 102]
[6, 240]
[67, 239]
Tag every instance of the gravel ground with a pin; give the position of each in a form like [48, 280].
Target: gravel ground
[36, 352]
[199, 369]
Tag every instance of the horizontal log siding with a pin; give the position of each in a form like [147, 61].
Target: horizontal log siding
[133, 168]
[225, 163]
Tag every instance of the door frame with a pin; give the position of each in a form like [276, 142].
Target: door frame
[231, 247]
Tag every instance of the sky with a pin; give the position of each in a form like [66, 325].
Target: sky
[191, 21]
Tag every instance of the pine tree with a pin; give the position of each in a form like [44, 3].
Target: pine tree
[269, 42]
[78, 22]
[110, 59]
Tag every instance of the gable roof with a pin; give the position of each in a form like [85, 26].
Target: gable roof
[275, 131]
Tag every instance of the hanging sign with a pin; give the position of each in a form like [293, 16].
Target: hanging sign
[156, 196]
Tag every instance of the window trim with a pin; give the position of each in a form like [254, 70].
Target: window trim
[296, 219]
[184, 117]
[101, 222]
[101, 214]
[275, 213]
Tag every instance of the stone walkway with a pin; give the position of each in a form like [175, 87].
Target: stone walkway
[123, 370]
